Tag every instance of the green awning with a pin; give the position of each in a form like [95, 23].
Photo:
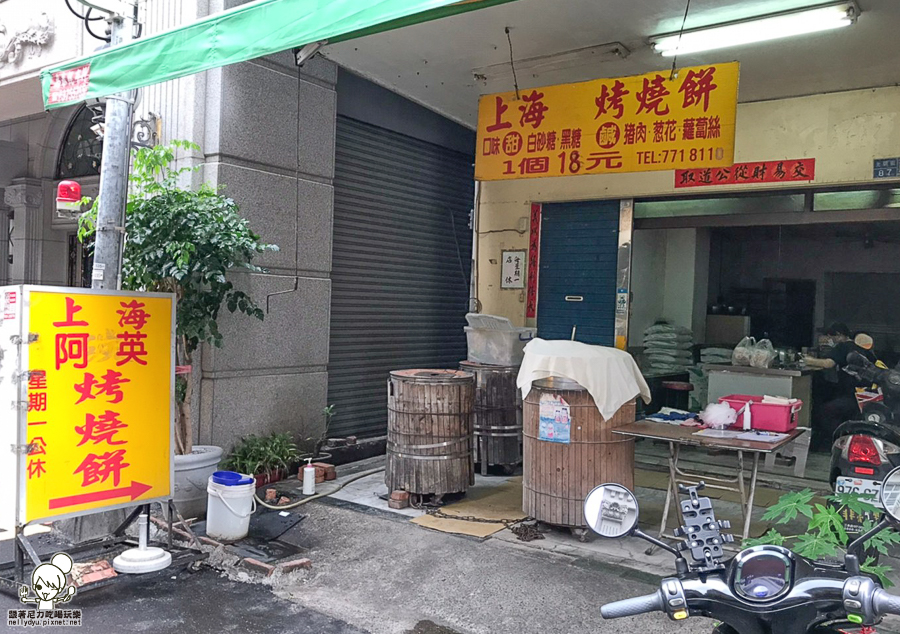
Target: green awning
[240, 34]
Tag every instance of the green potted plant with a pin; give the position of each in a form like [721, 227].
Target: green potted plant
[184, 241]
[267, 458]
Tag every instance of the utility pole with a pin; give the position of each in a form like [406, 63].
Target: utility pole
[108, 242]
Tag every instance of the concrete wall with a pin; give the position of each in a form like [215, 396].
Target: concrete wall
[842, 131]
[670, 270]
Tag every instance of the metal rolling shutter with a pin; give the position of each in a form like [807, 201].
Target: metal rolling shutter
[400, 277]
[579, 254]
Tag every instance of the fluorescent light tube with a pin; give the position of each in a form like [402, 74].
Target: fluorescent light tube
[762, 29]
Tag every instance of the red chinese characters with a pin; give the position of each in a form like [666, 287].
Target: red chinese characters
[105, 432]
[37, 402]
[534, 109]
[650, 98]
[534, 242]
[748, 173]
[697, 87]
[610, 100]
[103, 428]
[71, 346]
[499, 123]
[109, 385]
[100, 467]
[132, 344]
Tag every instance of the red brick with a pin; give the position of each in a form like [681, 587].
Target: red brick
[284, 500]
[398, 504]
[328, 471]
[271, 494]
[295, 564]
[400, 496]
[98, 575]
[257, 566]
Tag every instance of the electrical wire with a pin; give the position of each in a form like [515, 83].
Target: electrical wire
[462, 268]
[86, 16]
[87, 26]
[680, 33]
[512, 63]
[519, 231]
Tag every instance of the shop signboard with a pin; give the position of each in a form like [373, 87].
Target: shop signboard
[95, 399]
[617, 125]
[784, 171]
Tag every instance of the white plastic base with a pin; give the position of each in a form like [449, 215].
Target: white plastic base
[135, 561]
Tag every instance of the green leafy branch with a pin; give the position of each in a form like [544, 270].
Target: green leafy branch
[825, 535]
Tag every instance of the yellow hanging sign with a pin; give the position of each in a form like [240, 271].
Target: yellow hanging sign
[99, 400]
[610, 126]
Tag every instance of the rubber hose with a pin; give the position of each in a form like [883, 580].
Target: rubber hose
[354, 478]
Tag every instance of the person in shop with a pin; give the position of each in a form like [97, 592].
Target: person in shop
[841, 404]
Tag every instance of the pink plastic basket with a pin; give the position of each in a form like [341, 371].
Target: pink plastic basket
[765, 416]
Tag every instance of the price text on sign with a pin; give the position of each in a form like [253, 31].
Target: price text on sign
[626, 124]
[99, 418]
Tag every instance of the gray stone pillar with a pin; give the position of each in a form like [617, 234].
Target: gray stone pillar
[25, 197]
[5, 213]
[272, 375]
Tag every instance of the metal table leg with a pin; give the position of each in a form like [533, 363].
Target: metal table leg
[749, 511]
[671, 493]
[741, 485]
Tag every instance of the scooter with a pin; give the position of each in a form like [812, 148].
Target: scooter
[763, 589]
[865, 450]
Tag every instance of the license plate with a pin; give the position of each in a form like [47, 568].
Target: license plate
[868, 489]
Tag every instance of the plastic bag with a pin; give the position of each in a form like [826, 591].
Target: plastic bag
[719, 415]
[671, 357]
[671, 344]
[743, 351]
[668, 336]
[763, 354]
[659, 329]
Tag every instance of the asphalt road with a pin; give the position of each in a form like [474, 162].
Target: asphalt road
[199, 603]
[388, 576]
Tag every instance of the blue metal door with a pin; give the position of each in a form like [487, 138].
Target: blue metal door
[578, 262]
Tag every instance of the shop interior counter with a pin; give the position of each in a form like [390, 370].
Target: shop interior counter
[725, 380]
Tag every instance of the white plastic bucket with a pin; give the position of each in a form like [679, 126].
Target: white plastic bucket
[228, 510]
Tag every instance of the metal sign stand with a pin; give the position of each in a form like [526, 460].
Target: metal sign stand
[12, 576]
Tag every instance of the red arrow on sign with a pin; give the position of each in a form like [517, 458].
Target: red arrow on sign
[134, 491]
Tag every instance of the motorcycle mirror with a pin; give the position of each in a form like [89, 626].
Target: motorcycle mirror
[890, 495]
[611, 511]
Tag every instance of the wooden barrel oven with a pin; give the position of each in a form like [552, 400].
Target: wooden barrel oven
[558, 475]
[498, 419]
[429, 442]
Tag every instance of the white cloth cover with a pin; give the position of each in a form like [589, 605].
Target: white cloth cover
[610, 375]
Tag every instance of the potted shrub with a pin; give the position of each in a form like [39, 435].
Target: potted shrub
[184, 241]
[268, 459]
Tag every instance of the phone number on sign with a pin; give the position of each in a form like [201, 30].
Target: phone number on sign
[654, 157]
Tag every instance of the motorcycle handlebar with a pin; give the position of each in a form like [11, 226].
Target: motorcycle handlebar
[634, 606]
[885, 603]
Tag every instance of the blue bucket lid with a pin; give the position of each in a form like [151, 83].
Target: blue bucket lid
[230, 478]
